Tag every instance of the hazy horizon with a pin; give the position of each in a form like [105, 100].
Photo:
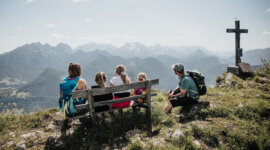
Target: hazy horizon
[168, 23]
[219, 54]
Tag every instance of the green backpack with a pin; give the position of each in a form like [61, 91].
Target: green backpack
[199, 80]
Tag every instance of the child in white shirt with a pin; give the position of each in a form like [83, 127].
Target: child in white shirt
[120, 78]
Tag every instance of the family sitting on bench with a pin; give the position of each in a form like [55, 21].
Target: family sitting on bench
[73, 82]
[191, 86]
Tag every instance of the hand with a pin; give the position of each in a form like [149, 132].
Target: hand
[170, 96]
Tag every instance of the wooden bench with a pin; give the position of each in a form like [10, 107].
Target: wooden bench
[100, 91]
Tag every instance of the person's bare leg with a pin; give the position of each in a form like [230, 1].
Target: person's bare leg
[168, 108]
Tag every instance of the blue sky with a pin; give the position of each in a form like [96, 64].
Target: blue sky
[165, 22]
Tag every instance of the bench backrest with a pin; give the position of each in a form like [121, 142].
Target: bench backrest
[100, 91]
[106, 90]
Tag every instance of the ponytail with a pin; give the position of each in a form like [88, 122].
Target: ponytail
[121, 70]
[125, 78]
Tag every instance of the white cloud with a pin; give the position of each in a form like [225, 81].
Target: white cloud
[49, 25]
[29, 1]
[59, 36]
[87, 20]
[267, 10]
[266, 32]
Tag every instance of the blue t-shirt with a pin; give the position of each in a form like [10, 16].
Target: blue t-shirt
[188, 84]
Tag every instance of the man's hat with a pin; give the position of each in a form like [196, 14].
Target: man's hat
[178, 67]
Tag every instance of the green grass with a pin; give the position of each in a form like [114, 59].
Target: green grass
[208, 135]
[229, 117]
[11, 121]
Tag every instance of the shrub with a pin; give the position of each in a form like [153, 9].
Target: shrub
[218, 79]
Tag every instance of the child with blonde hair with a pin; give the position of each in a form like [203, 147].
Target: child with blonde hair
[101, 80]
[142, 90]
[120, 78]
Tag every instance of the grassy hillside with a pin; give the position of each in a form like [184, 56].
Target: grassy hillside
[233, 115]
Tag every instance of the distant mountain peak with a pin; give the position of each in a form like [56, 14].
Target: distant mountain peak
[45, 49]
[95, 46]
[36, 44]
[198, 53]
[49, 73]
[134, 45]
[63, 47]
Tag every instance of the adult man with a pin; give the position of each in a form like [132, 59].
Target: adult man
[186, 93]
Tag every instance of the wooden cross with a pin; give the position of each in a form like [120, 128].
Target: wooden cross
[238, 50]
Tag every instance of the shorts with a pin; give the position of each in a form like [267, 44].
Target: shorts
[121, 104]
[182, 101]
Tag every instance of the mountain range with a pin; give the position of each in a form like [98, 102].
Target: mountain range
[253, 57]
[33, 71]
[136, 49]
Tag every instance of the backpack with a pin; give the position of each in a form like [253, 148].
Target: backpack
[66, 103]
[199, 80]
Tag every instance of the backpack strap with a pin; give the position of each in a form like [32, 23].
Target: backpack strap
[66, 79]
[76, 79]
[76, 82]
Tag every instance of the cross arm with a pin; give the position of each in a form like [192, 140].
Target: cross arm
[237, 30]
[231, 30]
[243, 30]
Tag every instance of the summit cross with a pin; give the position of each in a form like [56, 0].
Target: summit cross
[238, 50]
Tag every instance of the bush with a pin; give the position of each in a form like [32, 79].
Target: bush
[218, 79]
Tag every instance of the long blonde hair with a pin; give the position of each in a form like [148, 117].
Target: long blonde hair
[141, 76]
[121, 70]
[101, 79]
